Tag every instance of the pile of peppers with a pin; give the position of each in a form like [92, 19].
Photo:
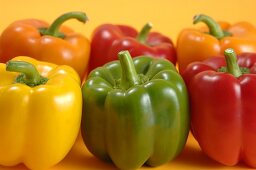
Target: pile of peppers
[200, 44]
[133, 95]
[222, 99]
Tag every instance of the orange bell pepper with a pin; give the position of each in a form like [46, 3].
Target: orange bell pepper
[55, 43]
[198, 44]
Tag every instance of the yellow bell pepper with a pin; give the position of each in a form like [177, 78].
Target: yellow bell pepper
[40, 112]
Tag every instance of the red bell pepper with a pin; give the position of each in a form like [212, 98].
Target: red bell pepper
[223, 114]
[108, 40]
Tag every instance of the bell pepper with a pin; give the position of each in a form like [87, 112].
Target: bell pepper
[55, 43]
[222, 99]
[41, 109]
[108, 40]
[198, 44]
[135, 111]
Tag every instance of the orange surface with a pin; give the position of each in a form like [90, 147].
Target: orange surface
[191, 158]
[167, 16]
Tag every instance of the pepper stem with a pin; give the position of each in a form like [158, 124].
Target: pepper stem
[29, 74]
[231, 61]
[53, 30]
[143, 34]
[129, 75]
[214, 28]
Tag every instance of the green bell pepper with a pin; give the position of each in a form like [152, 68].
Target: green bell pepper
[135, 111]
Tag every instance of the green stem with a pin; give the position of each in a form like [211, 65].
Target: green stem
[53, 30]
[129, 75]
[29, 74]
[231, 61]
[214, 28]
[143, 34]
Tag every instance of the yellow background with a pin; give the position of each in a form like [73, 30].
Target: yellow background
[167, 16]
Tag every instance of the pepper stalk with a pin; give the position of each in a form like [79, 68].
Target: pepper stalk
[129, 75]
[231, 60]
[53, 30]
[143, 34]
[29, 74]
[214, 28]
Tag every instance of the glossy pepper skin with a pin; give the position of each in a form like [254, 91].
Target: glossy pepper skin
[135, 112]
[199, 44]
[223, 107]
[108, 40]
[40, 115]
[52, 43]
